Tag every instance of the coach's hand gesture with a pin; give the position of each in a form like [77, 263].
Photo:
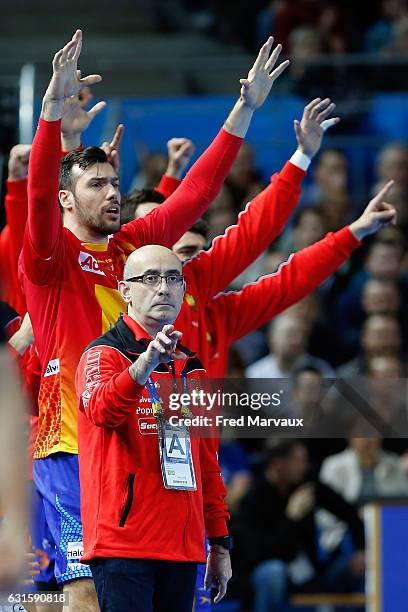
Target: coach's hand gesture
[378, 214]
[66, 79]
[162, 349]
[315, 121]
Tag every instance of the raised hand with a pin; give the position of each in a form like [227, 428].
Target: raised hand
[161, 349]
[66, 80]
[112, 148]
[18, 162]
[180, 151]
[256, 87]
[75, 119]
[310, 130]
[378, 214]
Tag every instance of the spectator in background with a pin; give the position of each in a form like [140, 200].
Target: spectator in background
[244, 180]
[380, 296]
[380, 34]
[287, 341]
[364, 471]
[380, 336]
[392, 163]
[308, 227]
[399, 42]
[360, 473]
[383, 262]
[330, 179]
[275, 537]
[222, 213]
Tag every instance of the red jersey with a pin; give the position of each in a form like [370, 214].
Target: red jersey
[71, 287]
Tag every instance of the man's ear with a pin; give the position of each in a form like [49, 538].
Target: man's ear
[66, 199]
[124, 290]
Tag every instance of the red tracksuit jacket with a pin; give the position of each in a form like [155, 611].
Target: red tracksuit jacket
[125, 509]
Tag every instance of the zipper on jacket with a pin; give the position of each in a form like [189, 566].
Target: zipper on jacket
[129, 500]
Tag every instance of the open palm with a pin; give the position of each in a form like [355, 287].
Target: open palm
[256, 87]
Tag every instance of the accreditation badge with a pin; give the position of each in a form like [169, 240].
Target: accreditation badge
[176, 460]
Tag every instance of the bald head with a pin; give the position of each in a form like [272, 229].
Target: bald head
[147, 258]
[153, 287]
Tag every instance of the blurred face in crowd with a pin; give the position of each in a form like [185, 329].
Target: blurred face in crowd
[331, 171]
[152, 305]
[366, 449]
[304, 42]
[189, 245]
[143, 209]
[243, 168]
[308, 230]
[94, 201]
[334, 212]
[386, 366]
[306, 310]
[393, 163]
[381, 335]
[287, 337]
[308, 392]
[153, 167]
[384, 261]
[297, 464]
[380, 297]
[289, 470]
[222, 213]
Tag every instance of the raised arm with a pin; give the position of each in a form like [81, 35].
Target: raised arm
[256, 304]
[264, 217]
[168, 222]
[44, 218]
[180, 151]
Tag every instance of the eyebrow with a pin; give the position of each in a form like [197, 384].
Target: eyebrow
[158, 272]
[103, 178]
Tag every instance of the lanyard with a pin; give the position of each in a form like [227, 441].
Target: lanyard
[157, 402]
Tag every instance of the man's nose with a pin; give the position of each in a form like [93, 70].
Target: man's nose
[163, 288]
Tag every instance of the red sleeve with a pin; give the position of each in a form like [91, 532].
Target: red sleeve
[167, 185]
[214, 492]
[258, 225]
[304, 271]
[106, 391]
[11, 241]
[44, 217]
[168, 222]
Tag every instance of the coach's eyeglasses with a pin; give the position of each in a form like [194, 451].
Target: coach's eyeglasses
[155, 280]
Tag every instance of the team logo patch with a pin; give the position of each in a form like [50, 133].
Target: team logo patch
[89, 263]
[52, 368]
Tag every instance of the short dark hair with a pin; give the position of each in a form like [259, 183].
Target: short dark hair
[84, 159]
[281, 450]
[202, 228]
[137, 197]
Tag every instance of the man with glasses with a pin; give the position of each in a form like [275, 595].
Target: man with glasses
[147, 490]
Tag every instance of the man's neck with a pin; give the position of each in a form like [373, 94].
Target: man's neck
[84, 234]
[150, 327]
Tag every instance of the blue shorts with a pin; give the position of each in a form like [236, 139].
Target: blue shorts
[42, 542]
[57, 481]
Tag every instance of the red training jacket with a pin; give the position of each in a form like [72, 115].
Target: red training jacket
[125, 509]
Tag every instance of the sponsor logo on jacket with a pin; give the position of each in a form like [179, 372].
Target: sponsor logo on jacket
[52, 368]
